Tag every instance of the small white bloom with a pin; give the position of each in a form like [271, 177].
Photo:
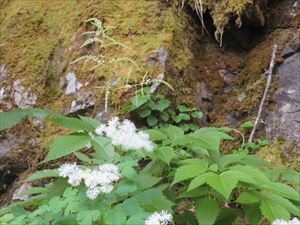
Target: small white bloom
[108, 168]
[93, 193]
[294, 221]
[124, 134]
[106, 189]
[159, 218]
[66, 169]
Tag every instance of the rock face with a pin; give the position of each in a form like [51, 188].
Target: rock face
[284, 122]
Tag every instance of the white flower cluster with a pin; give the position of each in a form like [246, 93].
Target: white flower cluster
[124, 134]
[159, 218]
[98, 180]
[294, 221]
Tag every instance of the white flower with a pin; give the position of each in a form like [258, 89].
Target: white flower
[294, 221]
[93, 193]
[159, 218]
[106, 189]
[67, 169]
[124, 134]
[97, 180]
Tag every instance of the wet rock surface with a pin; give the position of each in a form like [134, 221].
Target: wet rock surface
[23, 98]
[284, 122]
[9, 143]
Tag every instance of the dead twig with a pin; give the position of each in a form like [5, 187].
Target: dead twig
[269, 79]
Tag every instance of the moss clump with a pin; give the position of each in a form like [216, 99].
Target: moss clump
[281, 154]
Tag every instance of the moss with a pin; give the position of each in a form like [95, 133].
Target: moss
[281, 154]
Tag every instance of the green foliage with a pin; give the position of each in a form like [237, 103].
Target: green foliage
[157, 111]
[186, 165]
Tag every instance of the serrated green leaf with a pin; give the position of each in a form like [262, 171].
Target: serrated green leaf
[125, 187]
[145, 181]
[87, 217]
[273, 210]
[227, 216]
[172, 132]
[226, 160]
[223, 183]
[161, 105]
[283, 190]
[183, 108]
[65, 145]
[199, 180]
[248, 197]
[255, 161]
[284, 203]
[156, 135]
[42, 174]
[71, 123]
[252, 213]
[103, 147]
[291, 176]
[207, 211]
[165, 154]
[188, 171]
[151, 120]
[91, 121]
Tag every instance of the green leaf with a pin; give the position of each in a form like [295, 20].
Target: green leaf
[151, 120]
[83, 157]
[72, 123]
[227, 216]
[103, 147]
[139, 100]
[283, 190]
[65, 145]
[162, 105]
[9, 119]
[125, 187]
[253, 213]
[255, 161]
[199, 192]
[207, 211]
[223, 183]
[165, 154]
[283, 202]
[43, 174]
[232, 158]
[197, 115]
[34, 190]
[247, 124]
[87, 217]
[91, 121]
[199, 180]
[188, 171]
[164, 116]
[145, 181]
[291, 176]
[144, 112]
[156, 135]
[172, 132]
[248, 197]
[183, 108]
[273, 210]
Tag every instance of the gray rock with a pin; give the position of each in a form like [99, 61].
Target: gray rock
[241, 96]
[292, 46]
[82, 101]
[160, 56]
[24, 99]
[202, 92]
[17, 194]
[285, 120]
[9, 143]
[156, 85]
[226, 75]
[72, 84]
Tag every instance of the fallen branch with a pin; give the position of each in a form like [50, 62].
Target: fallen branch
[269, 79]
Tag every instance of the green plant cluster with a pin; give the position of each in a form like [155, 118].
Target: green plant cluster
[184, 167]
[157, 111]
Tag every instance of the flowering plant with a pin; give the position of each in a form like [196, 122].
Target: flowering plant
[157, 176]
